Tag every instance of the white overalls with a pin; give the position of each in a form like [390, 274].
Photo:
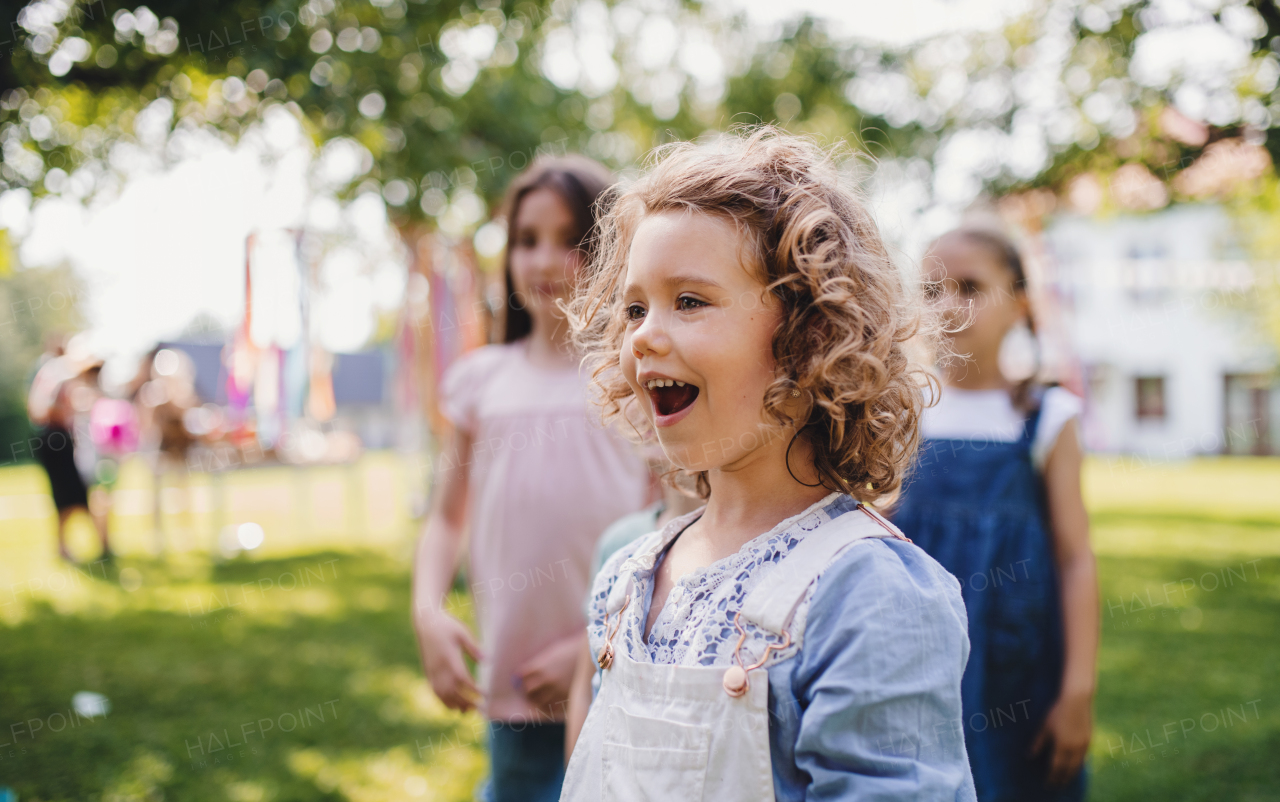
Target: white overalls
[672, 733]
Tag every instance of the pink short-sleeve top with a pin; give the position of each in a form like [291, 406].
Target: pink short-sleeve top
[546, 478]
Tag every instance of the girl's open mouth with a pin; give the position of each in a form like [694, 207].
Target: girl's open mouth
[669, 396]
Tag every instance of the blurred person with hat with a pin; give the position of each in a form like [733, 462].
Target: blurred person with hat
[65, 384]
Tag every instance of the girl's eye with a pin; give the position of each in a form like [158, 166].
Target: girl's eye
[635, 312]
[684, 303]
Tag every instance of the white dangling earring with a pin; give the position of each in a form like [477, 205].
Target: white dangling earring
[1019, 354]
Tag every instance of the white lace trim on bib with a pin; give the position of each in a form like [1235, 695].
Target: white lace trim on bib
[696, 628]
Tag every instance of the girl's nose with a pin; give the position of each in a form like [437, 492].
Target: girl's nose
[551, 261]
[543, 258]
[650, 339]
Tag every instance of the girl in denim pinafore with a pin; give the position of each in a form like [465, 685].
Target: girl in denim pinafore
[978, 508]
[979, 502]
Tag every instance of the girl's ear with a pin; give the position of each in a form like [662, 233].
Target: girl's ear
[1024, 305]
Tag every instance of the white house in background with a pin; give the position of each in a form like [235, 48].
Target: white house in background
[1157, 309]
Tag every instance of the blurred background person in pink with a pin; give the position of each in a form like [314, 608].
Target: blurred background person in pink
[532, 478]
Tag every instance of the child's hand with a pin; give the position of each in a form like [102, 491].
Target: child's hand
[1068, 727]
[545, 678]
[441, 640]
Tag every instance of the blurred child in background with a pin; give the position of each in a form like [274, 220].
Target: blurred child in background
[65, 387]
[163, 391]
[995, 497]
[532, 477]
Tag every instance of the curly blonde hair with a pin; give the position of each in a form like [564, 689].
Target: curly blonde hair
[847, 314]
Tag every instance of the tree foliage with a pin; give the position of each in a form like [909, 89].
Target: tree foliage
[34, 305]
[423, 87]
[441, 96]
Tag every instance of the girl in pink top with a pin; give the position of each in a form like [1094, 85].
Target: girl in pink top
[534, 479]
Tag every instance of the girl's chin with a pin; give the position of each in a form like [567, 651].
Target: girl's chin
[688, 452]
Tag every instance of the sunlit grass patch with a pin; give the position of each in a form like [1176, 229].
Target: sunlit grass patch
[220, 676]
[1189, 561]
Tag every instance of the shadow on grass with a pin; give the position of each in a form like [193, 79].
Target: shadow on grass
[286, 695]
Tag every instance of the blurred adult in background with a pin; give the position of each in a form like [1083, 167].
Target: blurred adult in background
[995, 497]
[163, 391]
[64, 387]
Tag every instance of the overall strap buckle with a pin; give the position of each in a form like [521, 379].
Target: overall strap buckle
[771, 604]
[737, 679]
[605, 658]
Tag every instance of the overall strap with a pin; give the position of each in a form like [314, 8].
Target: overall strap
[771, 604]
[1031, 422]
[620, 591]
[643, 559]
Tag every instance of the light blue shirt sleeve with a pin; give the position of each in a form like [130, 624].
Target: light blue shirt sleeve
[877, 683]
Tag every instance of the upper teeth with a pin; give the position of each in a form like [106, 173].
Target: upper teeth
[655, 383]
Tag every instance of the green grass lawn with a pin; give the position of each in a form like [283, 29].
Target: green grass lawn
[289, 679]
[1189, 557]
[293, 675]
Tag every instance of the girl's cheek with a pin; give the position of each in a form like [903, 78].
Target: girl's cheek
[520, 269]
[627, 362]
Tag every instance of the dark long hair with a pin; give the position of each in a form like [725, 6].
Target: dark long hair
[580, 182]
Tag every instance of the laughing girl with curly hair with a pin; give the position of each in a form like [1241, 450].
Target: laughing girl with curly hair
[784, 641]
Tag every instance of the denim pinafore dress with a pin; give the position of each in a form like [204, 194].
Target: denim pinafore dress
[979, 509]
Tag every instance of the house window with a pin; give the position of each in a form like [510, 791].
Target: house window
[1149, 392]
[1251, 404]
[1146, 274]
